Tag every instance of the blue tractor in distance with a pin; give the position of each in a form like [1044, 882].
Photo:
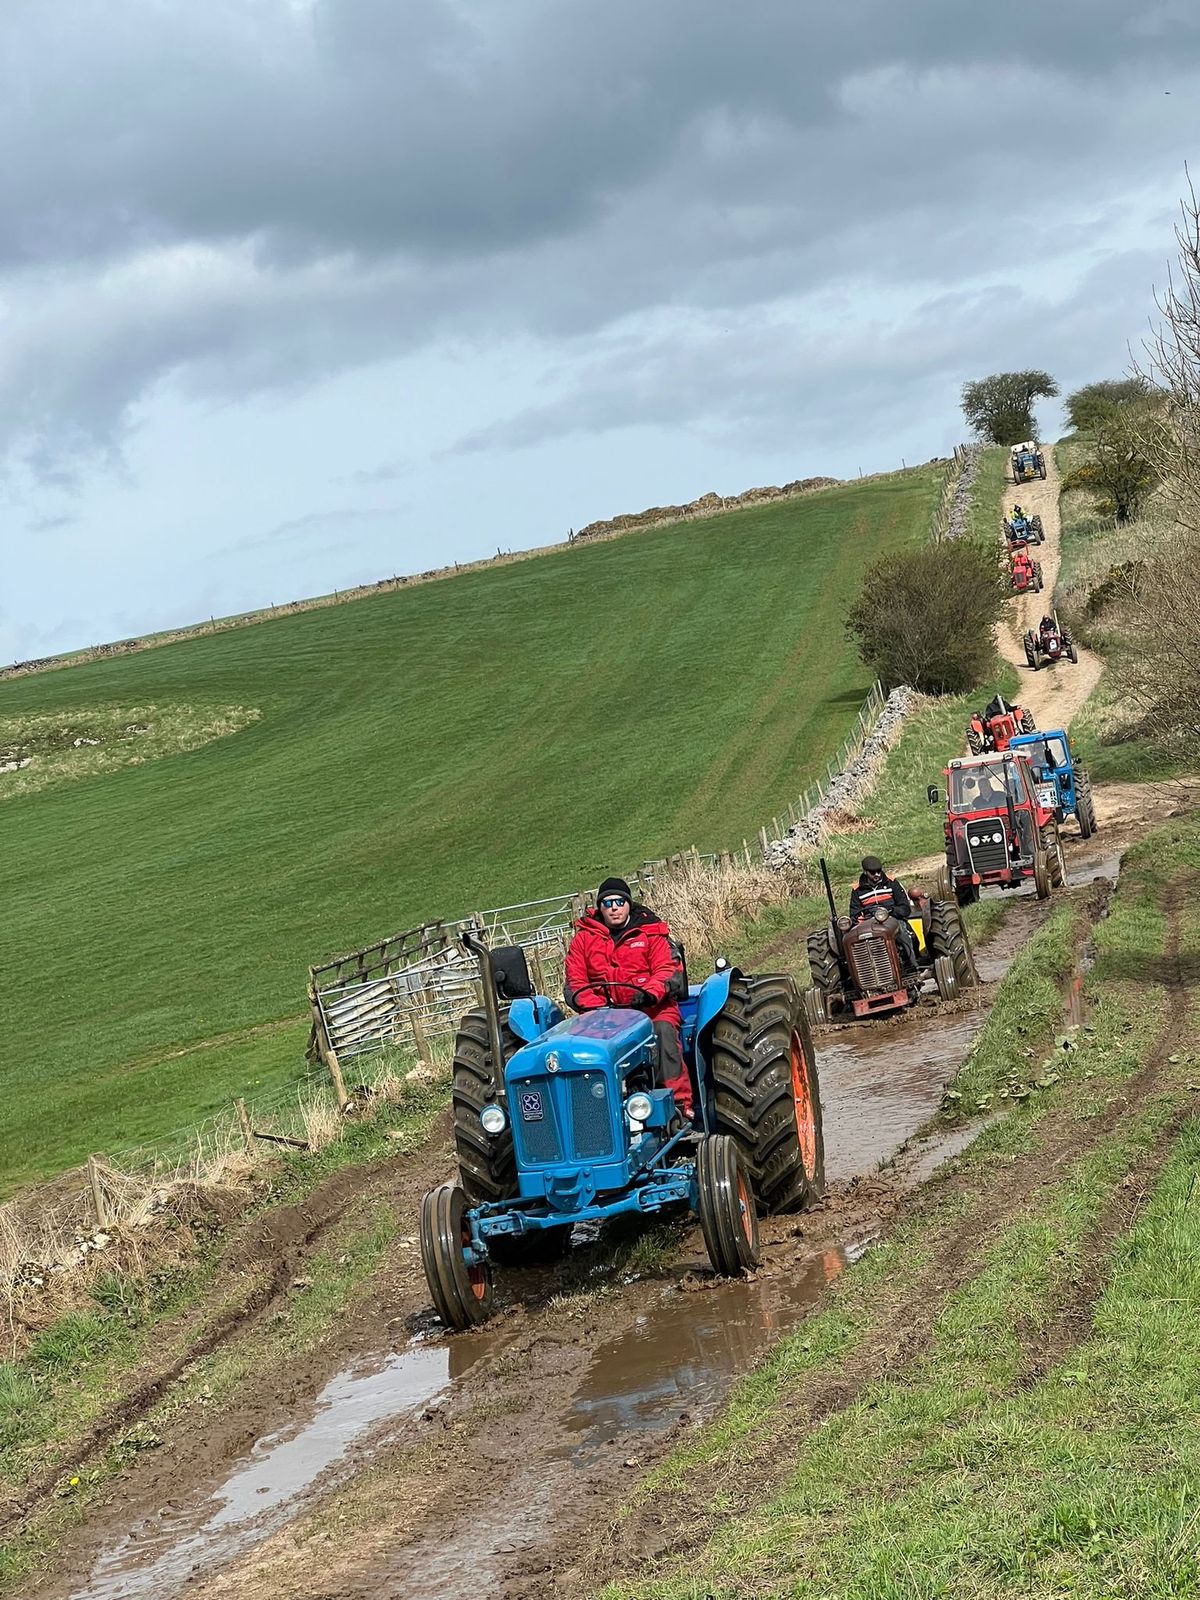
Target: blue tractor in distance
[1062, 784]
[1027, 462]
[559, 1120]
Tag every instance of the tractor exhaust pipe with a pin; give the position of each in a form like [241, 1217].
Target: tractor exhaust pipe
[475, 942]
[833, 916]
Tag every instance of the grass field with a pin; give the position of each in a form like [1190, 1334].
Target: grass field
[507, 733]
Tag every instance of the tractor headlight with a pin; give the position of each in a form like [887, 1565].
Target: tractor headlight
[638, 1107]
[493, 1120]
[881, 915]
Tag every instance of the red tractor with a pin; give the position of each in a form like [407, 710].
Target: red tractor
[1000, 832]
[1050, 643]
[1026, 573]
[996, 724]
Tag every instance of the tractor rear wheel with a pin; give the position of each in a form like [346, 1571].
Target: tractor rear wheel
[944, 975]
[486, 1162]
[1041, 875]
[948, 939]
[1031, 658]
[1028, 721]
[461, 1290]
[1085, 805]
[766, 1094]
[725, 1201]
[823, 962]
[974, 742]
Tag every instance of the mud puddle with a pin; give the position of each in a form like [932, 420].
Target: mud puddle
[267, 1489]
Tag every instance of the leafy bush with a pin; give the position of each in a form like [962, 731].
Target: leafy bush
[926, 617]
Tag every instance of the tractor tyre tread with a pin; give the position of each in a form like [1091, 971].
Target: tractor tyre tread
[752, 1085]
[948, 938]
[487, 1164]
[1085, 804]
[823, 962]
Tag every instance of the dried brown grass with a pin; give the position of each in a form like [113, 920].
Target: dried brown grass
[706, 906]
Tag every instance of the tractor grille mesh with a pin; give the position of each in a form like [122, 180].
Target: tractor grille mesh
[591, 1117]
[872, 961]
[539, 1139]
[988, 853]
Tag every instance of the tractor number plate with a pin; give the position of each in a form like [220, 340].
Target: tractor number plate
[531, 1107]
[1047, 796]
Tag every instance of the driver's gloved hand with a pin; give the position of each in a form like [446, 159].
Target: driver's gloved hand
[643, 997]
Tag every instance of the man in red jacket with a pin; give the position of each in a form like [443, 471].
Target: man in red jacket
[624, 948]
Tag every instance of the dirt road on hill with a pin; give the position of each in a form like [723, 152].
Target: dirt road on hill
[1054, 694]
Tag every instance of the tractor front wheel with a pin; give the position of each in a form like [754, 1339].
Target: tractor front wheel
[461, 1289]
[816, 1008]
[1085, 805]
[766, 1094]
[944, 976]
[725, 1201]
[966, 894]
[948, 939]
[1072, 653]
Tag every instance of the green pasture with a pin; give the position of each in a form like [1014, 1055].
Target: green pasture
[467, 743]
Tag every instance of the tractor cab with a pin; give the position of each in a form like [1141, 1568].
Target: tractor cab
[1062, 785]
[1000, 830]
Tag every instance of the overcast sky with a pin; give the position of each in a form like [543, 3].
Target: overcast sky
[299, 293]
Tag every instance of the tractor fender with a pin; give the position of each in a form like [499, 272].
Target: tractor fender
[529, 1019]
[710, 1002]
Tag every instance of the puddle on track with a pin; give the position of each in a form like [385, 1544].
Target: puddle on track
[161, 1555]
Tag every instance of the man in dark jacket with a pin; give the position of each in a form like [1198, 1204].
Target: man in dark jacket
[620, 955]
[875, 891]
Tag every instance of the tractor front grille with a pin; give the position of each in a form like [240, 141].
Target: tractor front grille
[533, 1117]
[987, 846]
[591, 1116]
[871, 960]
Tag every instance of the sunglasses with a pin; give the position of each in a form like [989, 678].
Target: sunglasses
[611, 902]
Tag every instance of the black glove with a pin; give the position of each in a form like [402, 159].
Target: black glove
[643, 997]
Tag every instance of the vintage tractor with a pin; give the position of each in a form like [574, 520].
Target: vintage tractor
[859, 969]
[1048, 643]
[1061, 782]
[1001, 830]
[1026, 574]
[1027, 462]
[1021, 530]
[995, 725]
[559, 1120]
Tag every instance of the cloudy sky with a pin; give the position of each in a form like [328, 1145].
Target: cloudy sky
[300, 293]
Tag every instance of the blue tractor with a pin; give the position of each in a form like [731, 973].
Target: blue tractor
[562, 1119]
[1062, 784]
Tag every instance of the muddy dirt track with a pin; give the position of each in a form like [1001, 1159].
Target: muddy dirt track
[1055, 693]
[393, 1461]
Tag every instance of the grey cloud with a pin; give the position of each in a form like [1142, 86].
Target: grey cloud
[241, 199]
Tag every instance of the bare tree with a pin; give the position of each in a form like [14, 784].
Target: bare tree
[1162, 674]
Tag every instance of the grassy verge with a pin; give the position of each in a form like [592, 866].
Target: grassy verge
[983, 522]
[1042, 1439]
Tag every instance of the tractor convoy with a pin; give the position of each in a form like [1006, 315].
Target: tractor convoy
[563, 1119]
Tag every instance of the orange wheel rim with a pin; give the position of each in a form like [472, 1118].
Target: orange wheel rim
[476, 1271]
[806, 1125]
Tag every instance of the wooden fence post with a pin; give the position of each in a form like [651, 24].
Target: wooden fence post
[420, 1041]
[99, 1198]
[335, 1074]
[746, 851]
[243, 1117]
[763, 841]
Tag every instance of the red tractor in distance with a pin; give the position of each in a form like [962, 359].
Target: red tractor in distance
[995, 725]
[1049, 642]
[1026, 573]
[1000, 832]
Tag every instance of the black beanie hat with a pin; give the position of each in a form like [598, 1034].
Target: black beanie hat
[872, 864]
[614, 886]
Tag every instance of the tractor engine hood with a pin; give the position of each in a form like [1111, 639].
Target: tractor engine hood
[566, 1101]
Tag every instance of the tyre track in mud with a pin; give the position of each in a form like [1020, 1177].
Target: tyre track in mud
[682, 1520]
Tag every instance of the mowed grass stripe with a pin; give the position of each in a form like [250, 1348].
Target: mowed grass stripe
[504, 734]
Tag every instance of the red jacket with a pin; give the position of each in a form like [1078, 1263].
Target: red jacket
[639, 958]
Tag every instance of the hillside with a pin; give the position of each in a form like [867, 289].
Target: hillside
[421, 753]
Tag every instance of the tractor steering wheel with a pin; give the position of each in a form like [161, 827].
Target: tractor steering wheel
[607, 985]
